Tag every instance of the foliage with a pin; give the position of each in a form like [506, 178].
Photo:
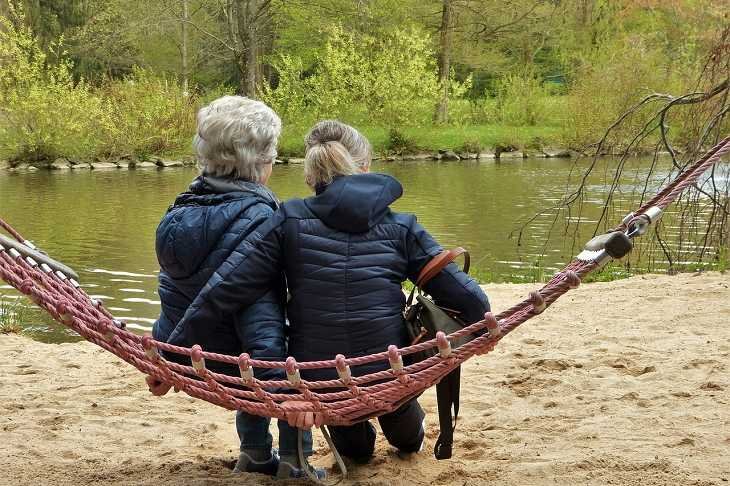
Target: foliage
[521, 99]
[388, 78]
[400, 144]
[46, 114]
[70, 86]
[12, 315]
[146, 115]
[472, 146]
[99, 47]
[293, 99]
[619, 76]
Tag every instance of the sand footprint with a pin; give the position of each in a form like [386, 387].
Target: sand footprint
[534, 342]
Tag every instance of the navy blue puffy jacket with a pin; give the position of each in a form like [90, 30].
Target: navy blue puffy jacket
[198, 235]
[346, 255]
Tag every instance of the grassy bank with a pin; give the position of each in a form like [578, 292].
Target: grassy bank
[440, 137]
[12, 315]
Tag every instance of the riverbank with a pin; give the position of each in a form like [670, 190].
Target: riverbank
[637, 394]
[446, 155]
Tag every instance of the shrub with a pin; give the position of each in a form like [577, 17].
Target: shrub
[146, 114]
[12, 316]
[618, 77]
[294, 99]
[389, 78]
[521, 99]
[399, 143]
[44, 113]
[472, 146]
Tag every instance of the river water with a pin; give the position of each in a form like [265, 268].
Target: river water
[102, 223]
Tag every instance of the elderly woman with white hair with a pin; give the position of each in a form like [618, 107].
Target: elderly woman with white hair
[346, 255]
[236, 147]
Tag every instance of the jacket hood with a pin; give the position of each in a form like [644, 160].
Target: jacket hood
[207, 185]
[199, 220]
[355, 203]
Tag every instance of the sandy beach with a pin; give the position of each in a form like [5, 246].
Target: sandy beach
[624, 382]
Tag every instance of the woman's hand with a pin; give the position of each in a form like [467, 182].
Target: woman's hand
[301, 420]
[157, 388]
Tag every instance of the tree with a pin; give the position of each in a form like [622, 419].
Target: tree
[473, 25]
[243, 29]
[444, 61]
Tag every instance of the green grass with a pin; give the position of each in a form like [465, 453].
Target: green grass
[722, 264]
[436, 137]
[12, 314]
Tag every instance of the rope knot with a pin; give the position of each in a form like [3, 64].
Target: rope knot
[343, 370]
[149, 348]
[196, 357]
[572, 279]
[443, 345]
[396, 363]
[537, 301]
[292, 372]
[244, 365]
[26, 286]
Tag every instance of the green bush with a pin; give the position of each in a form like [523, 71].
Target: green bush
[146, 114]
[472, 146]
[13, 314]
[521, 99]
[389, 78]
[398, 143]
[44, 113]
[618, 77]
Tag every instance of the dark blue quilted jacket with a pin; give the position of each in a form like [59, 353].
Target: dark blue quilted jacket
[198, 235]
[346, 256]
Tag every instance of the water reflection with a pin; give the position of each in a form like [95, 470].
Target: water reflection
[103, 223]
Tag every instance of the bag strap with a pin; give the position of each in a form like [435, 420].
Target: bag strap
[447, 396]
[434, 267]
[440, 262]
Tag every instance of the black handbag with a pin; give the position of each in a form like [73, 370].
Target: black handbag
[423, 320]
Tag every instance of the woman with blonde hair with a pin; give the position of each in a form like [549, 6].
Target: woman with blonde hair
[345, 254]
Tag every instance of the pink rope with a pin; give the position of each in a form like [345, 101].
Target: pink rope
[340, 401]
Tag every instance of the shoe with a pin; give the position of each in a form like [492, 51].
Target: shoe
[287, 470]
[246, 464]
[406, 454]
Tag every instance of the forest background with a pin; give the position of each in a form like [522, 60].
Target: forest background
[98, 79]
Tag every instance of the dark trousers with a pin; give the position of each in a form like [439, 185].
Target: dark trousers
[403, 428]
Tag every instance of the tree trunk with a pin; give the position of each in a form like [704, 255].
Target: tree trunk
[252, 67]
[247, 14]
[184, 48]
[444, 62]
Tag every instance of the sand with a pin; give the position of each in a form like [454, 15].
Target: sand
[618, 383]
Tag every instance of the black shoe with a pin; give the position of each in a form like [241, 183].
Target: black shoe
[247, 464]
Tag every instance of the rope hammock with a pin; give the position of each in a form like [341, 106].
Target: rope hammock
[343, 401]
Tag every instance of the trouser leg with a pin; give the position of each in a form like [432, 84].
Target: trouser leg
[253, 431]
[354, 441]
[404, 427]
[289, 438]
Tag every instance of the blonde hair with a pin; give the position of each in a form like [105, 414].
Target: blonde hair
[334, 149]
[236, 138]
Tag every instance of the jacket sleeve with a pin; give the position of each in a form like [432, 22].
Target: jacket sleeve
[260, 330]
[248, 274]
[451, 288]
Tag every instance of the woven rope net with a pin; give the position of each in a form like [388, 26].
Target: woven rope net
[343, 401]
